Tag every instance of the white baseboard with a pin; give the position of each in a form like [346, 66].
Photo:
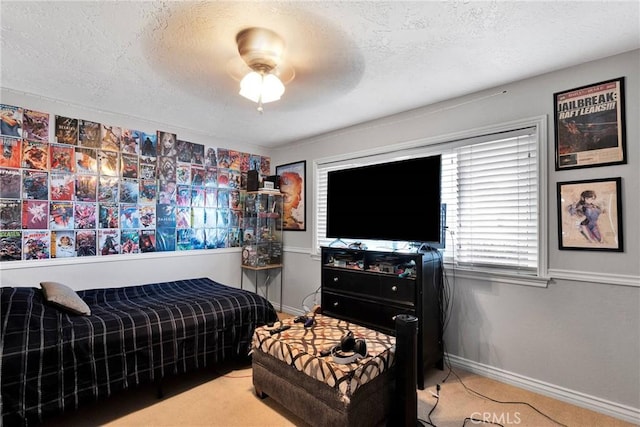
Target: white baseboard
[613, 409]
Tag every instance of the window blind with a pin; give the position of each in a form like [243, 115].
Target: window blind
[490, 189]
[489, 184]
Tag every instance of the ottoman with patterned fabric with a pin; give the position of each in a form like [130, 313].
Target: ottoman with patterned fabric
[290, 367]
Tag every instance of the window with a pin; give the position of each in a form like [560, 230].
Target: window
[493, 184]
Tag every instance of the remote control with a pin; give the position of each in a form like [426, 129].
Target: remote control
[280, 329]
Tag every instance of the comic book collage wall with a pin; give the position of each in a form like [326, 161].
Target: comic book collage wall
[71, 187]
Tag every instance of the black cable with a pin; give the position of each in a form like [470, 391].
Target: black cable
[478, 394]
[434, 406]
[448, 362]
[314, 293]
[437, 396]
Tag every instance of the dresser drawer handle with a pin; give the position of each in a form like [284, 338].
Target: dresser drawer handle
[335, 279]
[335, 304]
[394, 288]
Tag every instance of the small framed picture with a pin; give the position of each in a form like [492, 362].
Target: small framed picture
[590, 125]
[292, 186]
[590, 215]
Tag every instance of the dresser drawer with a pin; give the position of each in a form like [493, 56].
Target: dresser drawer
[397, 289]
[372, 285]
[373, 314]
[355, 282]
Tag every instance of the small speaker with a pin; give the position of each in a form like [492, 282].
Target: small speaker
[252, 180]
[275, 179]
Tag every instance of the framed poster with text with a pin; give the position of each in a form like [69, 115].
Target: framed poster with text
[589, 125]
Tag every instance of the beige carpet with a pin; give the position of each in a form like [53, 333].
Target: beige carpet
[225, 397]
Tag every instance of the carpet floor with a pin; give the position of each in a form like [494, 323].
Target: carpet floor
[225, 397]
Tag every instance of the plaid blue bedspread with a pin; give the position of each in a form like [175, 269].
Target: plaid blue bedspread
[52, 361]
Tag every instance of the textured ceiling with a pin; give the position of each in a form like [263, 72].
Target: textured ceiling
[169, 62]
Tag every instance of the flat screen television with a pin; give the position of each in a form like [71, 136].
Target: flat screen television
[398, 201]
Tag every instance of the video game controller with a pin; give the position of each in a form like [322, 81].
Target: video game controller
[308, 321]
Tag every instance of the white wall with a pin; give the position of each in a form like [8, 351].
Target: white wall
[579, 338]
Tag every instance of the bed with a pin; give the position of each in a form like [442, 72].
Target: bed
[53, 360]
[291, 367]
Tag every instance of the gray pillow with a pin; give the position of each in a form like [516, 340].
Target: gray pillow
[64, 297]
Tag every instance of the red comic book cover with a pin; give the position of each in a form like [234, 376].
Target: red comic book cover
[35, 214]
[35, 125]
[85, 215]
[62, 158]
[11, 156]
[265, 165]
[62, 186]
[35, 155]
[147, 240]
[245, 163]
[129, 166]
[223, 177]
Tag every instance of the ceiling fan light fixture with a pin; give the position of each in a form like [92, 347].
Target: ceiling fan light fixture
[261, 88]
[261, 50]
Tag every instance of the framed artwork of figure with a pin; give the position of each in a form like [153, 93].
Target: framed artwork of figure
[292, 187]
